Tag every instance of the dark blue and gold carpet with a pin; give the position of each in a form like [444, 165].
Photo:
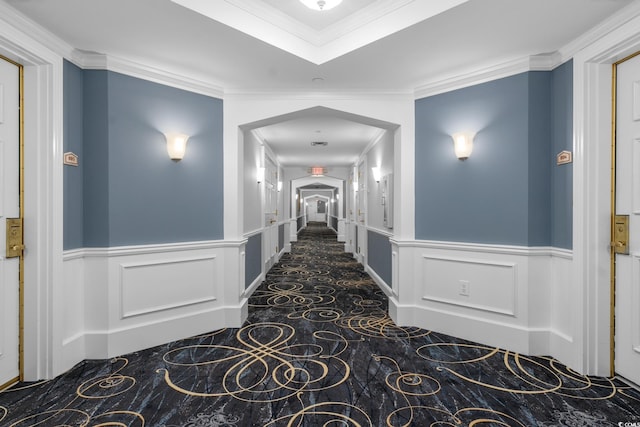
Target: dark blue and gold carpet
[319, 349]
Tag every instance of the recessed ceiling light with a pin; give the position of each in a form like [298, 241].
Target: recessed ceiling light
[321, 4]
[319, 143]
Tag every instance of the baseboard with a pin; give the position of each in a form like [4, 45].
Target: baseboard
[515, 338]
[106, 344]
[253, 286]
[386, 288]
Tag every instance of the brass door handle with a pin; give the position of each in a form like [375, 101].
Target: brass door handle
[17, 248]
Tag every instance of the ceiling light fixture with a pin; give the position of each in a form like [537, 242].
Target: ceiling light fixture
[321, 4]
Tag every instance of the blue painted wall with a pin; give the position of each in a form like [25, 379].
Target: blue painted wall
[96, 159]
[562, 137]
[503, 193]
[153, 199]
[73, 176]
[539, 168]
[132, 193]
[252, 259]
[280, 237]
[379, 255]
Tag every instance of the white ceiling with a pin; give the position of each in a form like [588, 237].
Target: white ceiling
[377, 46]
[292, 140]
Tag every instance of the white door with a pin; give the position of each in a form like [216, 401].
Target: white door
[312, 209]
[270, 213]
[627, 298]
[9, 208]
[321, 211]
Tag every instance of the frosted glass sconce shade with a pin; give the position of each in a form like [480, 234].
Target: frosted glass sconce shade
[176, 145]
[463, 144]
[260, 175]
[375, 171]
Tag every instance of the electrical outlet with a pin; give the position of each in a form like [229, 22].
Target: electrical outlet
[464, 288]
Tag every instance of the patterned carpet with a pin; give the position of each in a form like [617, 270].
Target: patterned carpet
[318, 349]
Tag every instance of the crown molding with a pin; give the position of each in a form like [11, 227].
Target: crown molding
[92, 60]
[35, 31]
[605, 27]
[317, 96]
[98, 61]
[274, 27]
[545, 62]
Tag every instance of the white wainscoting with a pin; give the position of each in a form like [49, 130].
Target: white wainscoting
[512, 297]
[126, 299]
[466, 282]
[147, 287]
[341, 230]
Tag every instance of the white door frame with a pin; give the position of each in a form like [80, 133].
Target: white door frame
[327, 201]
[592, 72]
[43, 285]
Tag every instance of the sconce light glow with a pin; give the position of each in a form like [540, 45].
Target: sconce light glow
[279, 185]
[260, 175]
[176, 145]
[355, 185]
[463, 144]
[376, 173]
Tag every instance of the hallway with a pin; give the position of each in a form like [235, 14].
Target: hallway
[319, 349]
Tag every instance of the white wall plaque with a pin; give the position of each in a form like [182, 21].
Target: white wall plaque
[70, 159]
[564, 157]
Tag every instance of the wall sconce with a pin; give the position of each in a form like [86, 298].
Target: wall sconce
[376, 173]
[260, 175]
[355, 185]
[279, 186]
[176, 145]
[463, 144]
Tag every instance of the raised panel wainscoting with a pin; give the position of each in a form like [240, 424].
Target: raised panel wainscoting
[511, 297]
[126, 299]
